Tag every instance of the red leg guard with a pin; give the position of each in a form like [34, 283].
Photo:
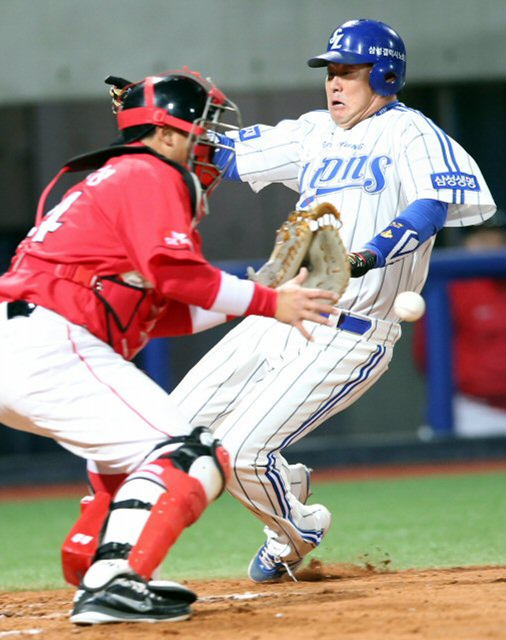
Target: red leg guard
[177, 508]
[109, 483]
[224, 460]
[82, 541]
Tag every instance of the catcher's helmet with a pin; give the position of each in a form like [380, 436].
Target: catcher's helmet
[184, 100]
[368, 42]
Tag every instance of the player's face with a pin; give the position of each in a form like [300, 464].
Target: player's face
[180, 149]
[170, 143]
[350, 98]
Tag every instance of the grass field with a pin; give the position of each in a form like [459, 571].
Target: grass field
[431, 521]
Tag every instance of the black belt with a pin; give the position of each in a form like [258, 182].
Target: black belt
[20, 308]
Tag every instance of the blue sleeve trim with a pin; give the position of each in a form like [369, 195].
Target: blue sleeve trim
[427, 217]
[224, 158]
[416, 224]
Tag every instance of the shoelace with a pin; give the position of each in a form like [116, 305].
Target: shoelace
[271, 562]
[289, 571]
[140, 587]
[143, 590]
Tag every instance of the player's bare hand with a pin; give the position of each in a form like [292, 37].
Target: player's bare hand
[295, 304]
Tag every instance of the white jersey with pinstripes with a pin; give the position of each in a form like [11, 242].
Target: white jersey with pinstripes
[370, 173]
[263, 387]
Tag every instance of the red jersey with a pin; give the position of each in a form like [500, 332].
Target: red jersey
[478, 309]
[119, 255]
[479, 314]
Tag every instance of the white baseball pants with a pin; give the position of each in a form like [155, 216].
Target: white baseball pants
[59, 381]
[264, 387]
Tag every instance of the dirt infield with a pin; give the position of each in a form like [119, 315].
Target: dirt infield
[328, 602]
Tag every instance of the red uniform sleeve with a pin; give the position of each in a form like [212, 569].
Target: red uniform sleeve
[180, 319]
[155, 224]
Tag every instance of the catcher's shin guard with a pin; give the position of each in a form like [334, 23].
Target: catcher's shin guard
[177, 508]
[79, 547]
[165, 495]
[195, 474]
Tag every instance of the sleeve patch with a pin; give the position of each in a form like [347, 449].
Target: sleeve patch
[249, 133]
[455, 181]
[176, 240]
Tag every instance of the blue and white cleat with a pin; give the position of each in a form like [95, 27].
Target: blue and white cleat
[267, 568]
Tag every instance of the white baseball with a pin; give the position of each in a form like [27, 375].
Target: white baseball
[409, 306]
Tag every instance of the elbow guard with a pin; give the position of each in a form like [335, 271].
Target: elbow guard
[394, 242]
[417, 223]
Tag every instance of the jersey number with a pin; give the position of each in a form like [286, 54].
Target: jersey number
[51, 223]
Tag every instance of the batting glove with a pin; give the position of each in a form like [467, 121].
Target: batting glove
[361, 263]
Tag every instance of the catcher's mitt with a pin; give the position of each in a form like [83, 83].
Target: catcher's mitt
[117, 91]
[308, 239]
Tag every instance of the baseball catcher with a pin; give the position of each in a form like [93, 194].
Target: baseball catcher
[116, 262]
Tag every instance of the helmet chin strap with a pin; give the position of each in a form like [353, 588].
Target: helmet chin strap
[201, 207]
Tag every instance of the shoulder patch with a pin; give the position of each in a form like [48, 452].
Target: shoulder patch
[177, 240]
[455, 180]
[249, 133]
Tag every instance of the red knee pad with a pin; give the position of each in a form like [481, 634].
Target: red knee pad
[81, 543]
[177, 508]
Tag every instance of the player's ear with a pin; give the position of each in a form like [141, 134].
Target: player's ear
[166, 135]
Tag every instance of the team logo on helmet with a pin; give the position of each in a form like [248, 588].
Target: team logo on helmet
[384, 51]
[336, 38]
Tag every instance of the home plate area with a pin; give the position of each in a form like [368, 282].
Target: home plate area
[328, 601]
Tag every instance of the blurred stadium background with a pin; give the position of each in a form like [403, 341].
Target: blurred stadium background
[54, 105]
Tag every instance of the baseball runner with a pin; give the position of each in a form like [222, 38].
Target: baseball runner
[116, 262]
[396, 178]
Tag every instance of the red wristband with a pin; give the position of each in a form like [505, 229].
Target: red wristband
[263, 303]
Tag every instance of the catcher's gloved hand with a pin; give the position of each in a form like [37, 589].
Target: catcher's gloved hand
[310, 239]
[361, 263]
[117, 91]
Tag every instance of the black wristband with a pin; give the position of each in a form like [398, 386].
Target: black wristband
[361, 263]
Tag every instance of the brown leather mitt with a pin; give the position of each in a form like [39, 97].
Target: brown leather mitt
[308, 239]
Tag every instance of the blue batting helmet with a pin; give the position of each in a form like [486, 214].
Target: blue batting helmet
[368, 42]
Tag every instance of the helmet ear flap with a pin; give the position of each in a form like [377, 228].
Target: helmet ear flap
[387, 78]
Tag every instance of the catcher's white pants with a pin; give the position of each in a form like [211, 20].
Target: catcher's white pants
[59, 381]
[263, 388]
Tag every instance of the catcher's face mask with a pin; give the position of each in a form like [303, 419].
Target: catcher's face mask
[188, 102]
